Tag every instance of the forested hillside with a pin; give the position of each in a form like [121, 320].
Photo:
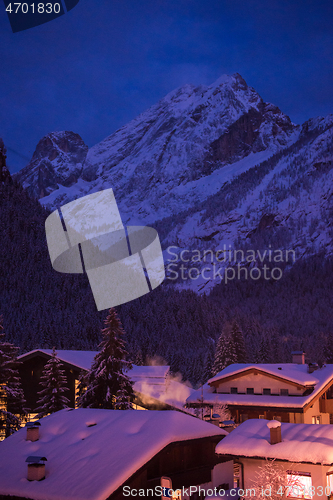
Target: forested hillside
[43, 308]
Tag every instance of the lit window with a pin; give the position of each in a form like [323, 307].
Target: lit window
[77, 383]
[233, 390]
[261, 416]
[266, 392]
[237, 475]
[250, 390]
[299, 485]
[329, 481]
[316, 419]
[284, 392]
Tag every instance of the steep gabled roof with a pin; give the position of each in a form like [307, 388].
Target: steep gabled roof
[320, 380]
[79, 359]
[290, 372]
[90, 453]
[300, 442]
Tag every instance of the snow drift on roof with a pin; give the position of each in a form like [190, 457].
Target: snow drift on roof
[300, 442]
[139, 372]
[290, 371]
[90, 463]
[320, 377]
[81, 359]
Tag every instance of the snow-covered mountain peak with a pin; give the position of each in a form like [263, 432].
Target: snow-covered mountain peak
[58, 159]
[208, 166]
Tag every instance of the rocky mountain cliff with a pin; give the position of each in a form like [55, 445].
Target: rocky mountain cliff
[157, 163]
[208, 166]
[57, 161]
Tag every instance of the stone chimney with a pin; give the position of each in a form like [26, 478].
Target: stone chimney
[275, 431]
[36, 468]
[298, 357]
[32, 431]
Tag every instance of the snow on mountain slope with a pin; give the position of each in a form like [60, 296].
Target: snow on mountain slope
[57, 161]
[283, 203]
[208, 166]
[176, 153]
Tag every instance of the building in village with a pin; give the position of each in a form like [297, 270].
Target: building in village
[303, 451]
[290, 392]
[90, 454]
[154, 387]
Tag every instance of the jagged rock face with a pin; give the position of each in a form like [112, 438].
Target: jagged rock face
[157, 163]
[57, 160]
[207, 166]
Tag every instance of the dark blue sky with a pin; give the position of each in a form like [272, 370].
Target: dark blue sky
[97, 67]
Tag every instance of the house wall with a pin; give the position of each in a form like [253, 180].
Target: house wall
[315, 411]
[186, 463]
[258, 382]
[318, 474]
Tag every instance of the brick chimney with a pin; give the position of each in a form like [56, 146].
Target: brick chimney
[36, 468]
[32, 431]
[298, 357]
[275, 431]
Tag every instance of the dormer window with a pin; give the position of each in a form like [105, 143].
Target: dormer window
[266, 392]
[250, 390]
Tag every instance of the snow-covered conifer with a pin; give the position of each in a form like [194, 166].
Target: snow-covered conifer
[108, 385]
[12, 400]
[54, 385]
[239, 343]
[225, 354]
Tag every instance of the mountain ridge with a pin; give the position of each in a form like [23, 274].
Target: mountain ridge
[206, 166]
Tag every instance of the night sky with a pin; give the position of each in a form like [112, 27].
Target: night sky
[104, 62]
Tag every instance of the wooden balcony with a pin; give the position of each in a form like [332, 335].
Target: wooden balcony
[326, 405]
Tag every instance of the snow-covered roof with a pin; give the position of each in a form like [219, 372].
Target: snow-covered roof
[291, 372]
[90, 463]
[81, 359]
[300, 442]
[155, 372]
[84, 359]
[152, 382]
[318, 380]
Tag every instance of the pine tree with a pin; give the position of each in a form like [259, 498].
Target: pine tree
[264, 353]
[108, 386]
[239, 343]
[12, 400]
[208, 364]
[225, 353]
[328, 354]
[54, 384]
